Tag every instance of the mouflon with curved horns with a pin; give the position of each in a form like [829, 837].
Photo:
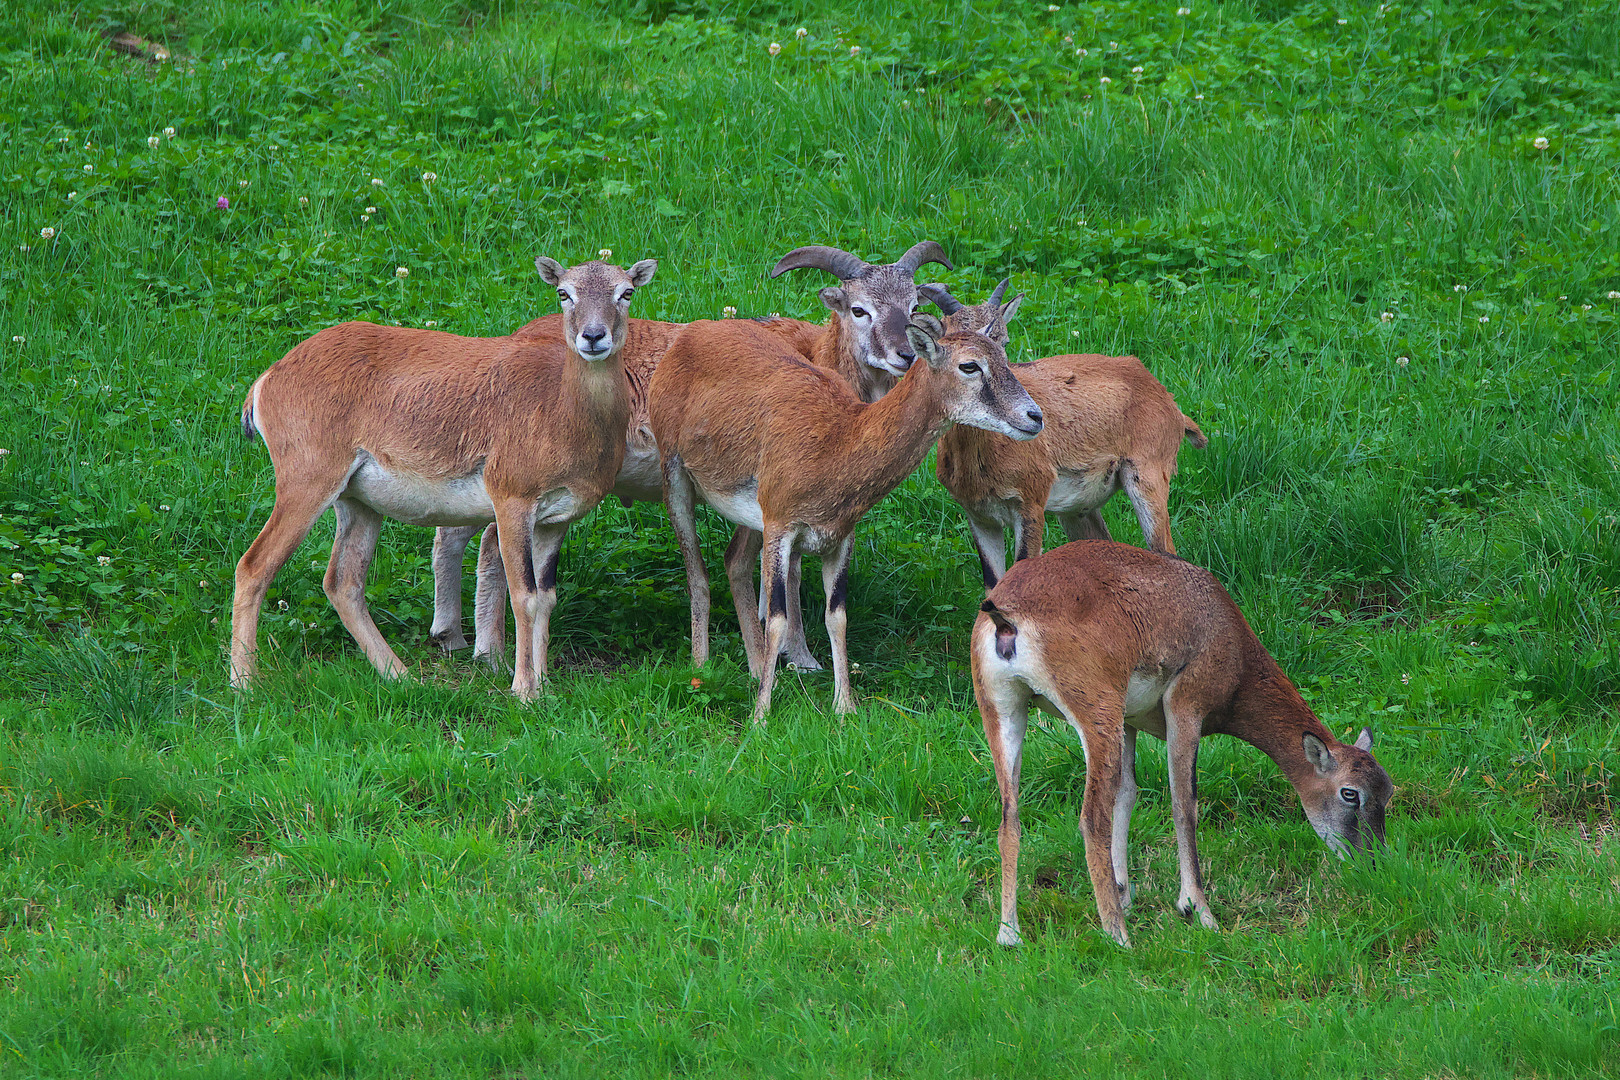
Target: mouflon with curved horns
[1116, 640]
[1110, 426]
[432, 428]
[785, 448]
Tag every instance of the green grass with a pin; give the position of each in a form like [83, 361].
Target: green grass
[337, 876]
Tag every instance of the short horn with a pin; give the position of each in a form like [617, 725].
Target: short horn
[841, 264]
[940, 297]
[924, 252]
[1000, 291]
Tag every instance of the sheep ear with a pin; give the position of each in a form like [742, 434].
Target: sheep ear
[1010, 308]
[551, 271]
[836, 300]
[1364, 740]
[923, 333]
[1317, 753]
[642, 272]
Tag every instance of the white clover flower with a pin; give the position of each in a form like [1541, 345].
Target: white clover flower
[88, 169]
[1586, 307]
[1198, 97]
[1614, 294]
[24, 247]
[4, 452]
[1051, 7]
[303, 200]
[1563, 298]
[376, 182]
[152, 141]
[801, 33]
[429, 177]
[47, 233]
[1484, 319]
[103, 560]
[282, 605]
[1541, 142]
[1082, 52]
[604, 253]
[16, 579]
[163, 507]
[16, 339]
[1344, 22]
[202, 584]
[1105, 80]
[1137, 70]
[168, 133]
[1402, 361]
[728, 312]
[1183, 11]
[1459, 288]
[854, 50]
[241, 183]
[1386, 316]
[1113, 45]
[72, 195]
[365, 217]
[402, 272]
[774, 47]
[371, 209]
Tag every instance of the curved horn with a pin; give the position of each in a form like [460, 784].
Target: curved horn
[841, 264]
[940, 297]
[1000, 291]
[924, 252]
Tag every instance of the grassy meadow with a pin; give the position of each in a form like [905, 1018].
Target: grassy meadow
[1373, 249]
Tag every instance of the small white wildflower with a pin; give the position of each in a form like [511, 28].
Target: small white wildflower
[1082, 52]
[1105, 80]
[88, 169]
[1137, 70]
[1344, 22]
[103, 560]
[153, 141]
[1198, 97]
[429, 177]
[604, 253]
[1541, 142]
[854, 50]
[774, 47]
[47, 233]
[1586, 307]
[1183, 11]
[728, 312]
[168, 133]
[365, 217]
[202, 584]
[801, 33]
[1405, 679]
[1614, 294]
[163, 507]
[1563, 298]
[303, 200]
[1402, 361]
[376, 182]
[1484, 319]
[371, 209]
[282, 605]
[314, 626]
[1051, 7]
[16, 579]
[4, 451]
[241, 183]
[72, 195]
[1386, 316]
[18, 339]
[431, 323]
[1113, 45]
[1459, 288]
[23, 247]
[402, 272]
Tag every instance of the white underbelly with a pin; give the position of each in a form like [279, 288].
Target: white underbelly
[1075, 492]
[741, 507]
[421, 500]
[1144, 693]
[639, 479]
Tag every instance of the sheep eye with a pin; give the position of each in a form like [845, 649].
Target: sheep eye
[1350, 795]
[562, 294]
[969, 369]
[628, 293]
[859, 313]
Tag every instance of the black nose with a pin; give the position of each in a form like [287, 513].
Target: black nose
[593, 335]
[1034, 416]
[906, 357]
